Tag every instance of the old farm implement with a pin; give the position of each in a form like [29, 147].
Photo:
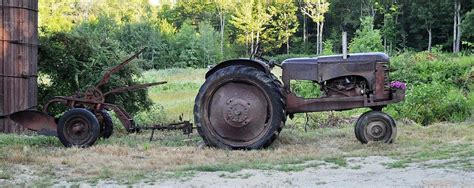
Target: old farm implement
[87, 118]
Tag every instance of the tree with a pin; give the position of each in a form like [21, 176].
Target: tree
[468, 24]
[222, 8]
[250, 18]
[315, 9]
[388, 32]
[134, 36]
[425, 12]
[282, 25]
[208, 41]
[56, 15]
[192, 11]
[367, 38]
[468, 29]
[186, 46]
[457, 26]
[390, 12]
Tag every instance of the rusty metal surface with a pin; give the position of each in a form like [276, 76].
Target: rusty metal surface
[106, 77]
[366, 76]
[18, 59]
[36, 121]
[255, 63]
[185, 126]
[326, 68]
[376, 130]
[381, 88]
[238, 112]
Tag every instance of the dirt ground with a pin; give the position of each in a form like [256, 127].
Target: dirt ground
[360, 172]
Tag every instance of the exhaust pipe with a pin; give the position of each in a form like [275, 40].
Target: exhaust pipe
[344, 44]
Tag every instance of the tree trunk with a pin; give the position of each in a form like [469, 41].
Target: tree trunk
[251, 44]
[459, 34]
[321, 38]
[317, 38]
[385, 44]
[457, 27]
[246, 44]
[304, 28]
[288, 45]
[454, 28]
[257, 44]
[222, 32]
[372, 10]
[429, 39]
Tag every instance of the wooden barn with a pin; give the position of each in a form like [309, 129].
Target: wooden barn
[18, 59]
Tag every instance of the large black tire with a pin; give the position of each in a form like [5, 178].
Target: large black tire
[375, 126]
[78, 127]
[240, 107]
[106, 124]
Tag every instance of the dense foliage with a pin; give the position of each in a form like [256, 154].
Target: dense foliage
[439, 87]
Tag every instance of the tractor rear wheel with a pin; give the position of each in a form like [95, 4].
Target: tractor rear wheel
[375, 126]
[78, 127]
[239, 107]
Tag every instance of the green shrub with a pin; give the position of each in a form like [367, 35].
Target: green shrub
[155, 115]
[305, 88]
[439, 87]
[428, 103]
[367, 38]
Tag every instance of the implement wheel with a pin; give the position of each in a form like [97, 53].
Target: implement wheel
[375, 126]
[106, 124]
[239, 107]
[78, 127]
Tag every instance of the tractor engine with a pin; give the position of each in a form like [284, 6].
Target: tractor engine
[347, 86]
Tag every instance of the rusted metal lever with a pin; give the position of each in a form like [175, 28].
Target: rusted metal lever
[185, 126]
[115, 69]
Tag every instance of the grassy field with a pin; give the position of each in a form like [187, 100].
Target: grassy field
[131, 158]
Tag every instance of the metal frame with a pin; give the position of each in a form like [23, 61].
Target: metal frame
[373, 67]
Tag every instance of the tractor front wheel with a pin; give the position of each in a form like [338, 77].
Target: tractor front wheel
[239, 107]
[375, 126]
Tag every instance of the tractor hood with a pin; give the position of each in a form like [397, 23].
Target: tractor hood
[351, 58]
[324, 68]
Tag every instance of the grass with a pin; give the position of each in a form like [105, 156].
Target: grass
[337, 161]
[178, 94]
[130, 158]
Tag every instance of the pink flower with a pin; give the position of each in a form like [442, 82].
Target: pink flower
[398, 85]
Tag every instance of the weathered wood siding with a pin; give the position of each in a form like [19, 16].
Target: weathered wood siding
[18, 59]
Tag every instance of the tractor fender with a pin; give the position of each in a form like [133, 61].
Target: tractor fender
[258, 64]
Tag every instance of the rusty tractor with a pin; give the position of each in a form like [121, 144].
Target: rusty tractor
[87, 118]
[242, 105]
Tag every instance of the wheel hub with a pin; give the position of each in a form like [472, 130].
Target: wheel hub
[237, 112]
[77, 130]
[376, 130]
